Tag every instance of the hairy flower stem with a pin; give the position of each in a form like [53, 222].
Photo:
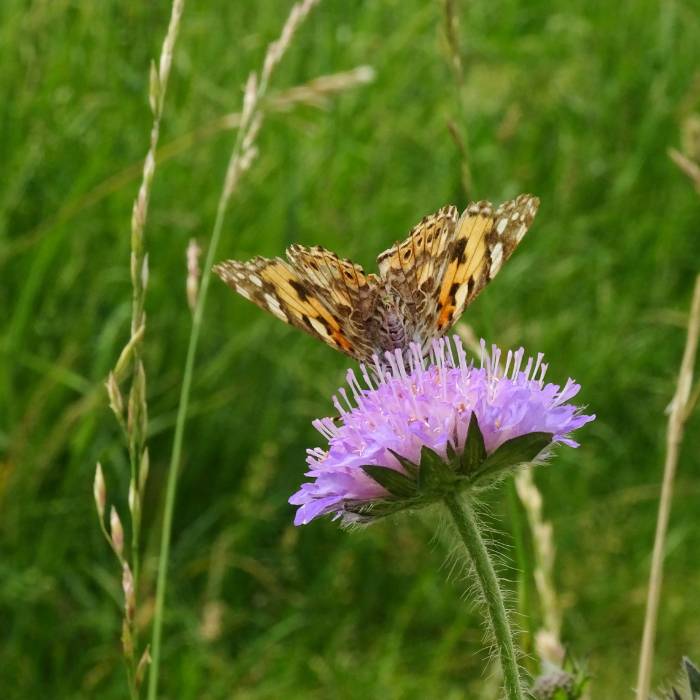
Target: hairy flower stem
[465, 521]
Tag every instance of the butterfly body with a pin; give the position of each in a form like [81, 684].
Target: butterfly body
[424, 285]
[392, 327]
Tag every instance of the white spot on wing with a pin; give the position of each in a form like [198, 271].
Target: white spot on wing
[255, 280]
[243, 292]
[502, 226]
[521, 232]
[515, 216]
[461, 295]
[496, 259]
[318, 327]
[275, 307]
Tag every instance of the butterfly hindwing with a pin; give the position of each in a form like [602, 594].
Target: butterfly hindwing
[416, 264]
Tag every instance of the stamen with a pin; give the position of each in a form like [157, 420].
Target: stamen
[462, 357]
[343, 393]
[399, 363]
[495, 359]
[378, 367]
[392, 361]
[338, 407]
[516, 365]
[537, 365]
[416, 350]
[483, 350]
[544, 370]
[448, 344]
[366, 377]
[569, 391]
[321, 427]
[509, 358]
[328, 423]
[527, 369]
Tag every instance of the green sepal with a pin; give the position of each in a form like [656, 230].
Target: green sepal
[693, 678]
[474, 454]
[453, 458]
[518, 450]
[410, 467]
[434, 475]
[396, 483]
[381, 508]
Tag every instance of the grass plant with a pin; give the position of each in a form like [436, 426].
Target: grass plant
[574, 102]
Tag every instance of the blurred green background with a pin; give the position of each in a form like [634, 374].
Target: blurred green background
[573, 101]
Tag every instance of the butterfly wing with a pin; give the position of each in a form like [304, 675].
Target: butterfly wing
[415, 267]
[318, 293]
[447, 262]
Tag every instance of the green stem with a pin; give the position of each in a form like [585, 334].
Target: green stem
[177, 450]
[466, 523]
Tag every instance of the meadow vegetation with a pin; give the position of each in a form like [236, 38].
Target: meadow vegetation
[574, 102]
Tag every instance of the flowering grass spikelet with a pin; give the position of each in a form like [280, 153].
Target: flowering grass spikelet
[417, 432]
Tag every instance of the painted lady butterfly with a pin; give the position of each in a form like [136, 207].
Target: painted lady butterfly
[425, 283]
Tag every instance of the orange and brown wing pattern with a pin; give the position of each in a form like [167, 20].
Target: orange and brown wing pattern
[413, 268]
[316, 305]
[437, 271]
[483, 242]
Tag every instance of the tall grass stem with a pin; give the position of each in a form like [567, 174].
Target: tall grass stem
[241, 157]
[676, 426]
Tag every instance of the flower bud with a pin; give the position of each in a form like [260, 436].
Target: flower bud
[134, 503]
[144, 272]
[117, 532]
[143, 470]
[193, 252]
[127, 641]
[127, 352]
[116, 402]
[100, 491]
[129, 595]
[141, 668]
[554, 685]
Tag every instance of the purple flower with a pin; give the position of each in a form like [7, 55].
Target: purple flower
[401, 413]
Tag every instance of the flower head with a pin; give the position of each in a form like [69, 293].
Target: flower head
[412, 434]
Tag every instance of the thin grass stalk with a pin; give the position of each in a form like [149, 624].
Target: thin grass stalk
[241, 157]
[135, 424]
[547, 640]
[454, 54]
[676, 425]
[522, 562]
[137, 410]
[314, 93]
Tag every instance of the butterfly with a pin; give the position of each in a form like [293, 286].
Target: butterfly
[424, 283]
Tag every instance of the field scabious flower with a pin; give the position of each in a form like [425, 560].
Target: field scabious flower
[413, 436]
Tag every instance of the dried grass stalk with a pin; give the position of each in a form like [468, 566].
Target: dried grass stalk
[679, 411]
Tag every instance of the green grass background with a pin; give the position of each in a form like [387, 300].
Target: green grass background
[573, 101]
